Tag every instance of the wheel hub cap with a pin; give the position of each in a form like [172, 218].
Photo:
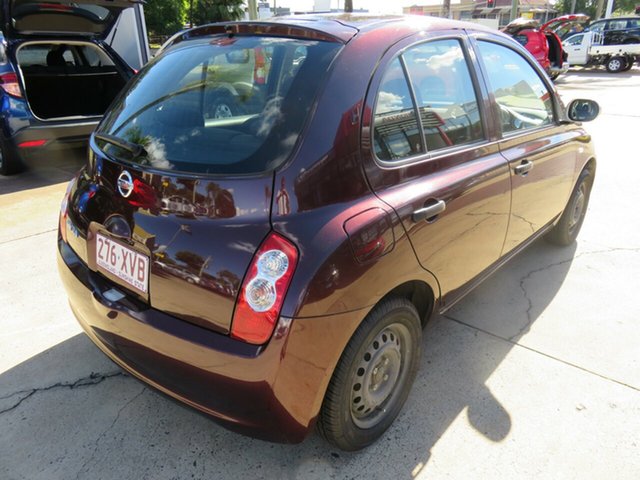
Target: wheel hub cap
[376, 377]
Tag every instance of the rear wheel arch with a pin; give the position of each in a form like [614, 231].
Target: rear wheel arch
[419, 293]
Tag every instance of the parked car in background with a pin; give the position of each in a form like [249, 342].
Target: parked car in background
[377, 171]
[544, 42]
[58, 75]
[617, 30]
[588, 49]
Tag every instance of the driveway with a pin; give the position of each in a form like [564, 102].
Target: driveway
[534, 374]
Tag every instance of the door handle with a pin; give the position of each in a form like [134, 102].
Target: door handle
[432, 209]
[524, 168]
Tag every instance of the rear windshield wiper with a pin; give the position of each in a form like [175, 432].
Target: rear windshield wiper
[135, 149]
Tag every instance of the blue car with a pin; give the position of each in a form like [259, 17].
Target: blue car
[58, 75]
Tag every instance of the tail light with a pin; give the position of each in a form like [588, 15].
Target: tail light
[264, 289]
[9, 83]
[32, 144]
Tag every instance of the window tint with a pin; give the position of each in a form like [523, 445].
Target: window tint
[520, 93]
[617, 25]
[220, 105]
[395, 125]
[444, 93]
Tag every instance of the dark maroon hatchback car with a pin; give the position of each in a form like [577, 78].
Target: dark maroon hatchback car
[271, 212]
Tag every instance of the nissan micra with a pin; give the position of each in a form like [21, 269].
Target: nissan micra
[270, 212]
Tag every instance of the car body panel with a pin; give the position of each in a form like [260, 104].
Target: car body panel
[349, 214]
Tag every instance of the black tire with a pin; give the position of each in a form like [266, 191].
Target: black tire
[8, 165]
[627, 67]
[566, 230]
[223, 105]
[616, 64]
[373, 377]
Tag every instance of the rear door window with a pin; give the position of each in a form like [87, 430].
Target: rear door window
[445, 94]
[426, 102]
[396, 132]
[220, 105]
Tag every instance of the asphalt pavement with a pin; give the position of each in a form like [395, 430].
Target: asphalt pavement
[536, 374]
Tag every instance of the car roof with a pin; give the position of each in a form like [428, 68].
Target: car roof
[340, 27]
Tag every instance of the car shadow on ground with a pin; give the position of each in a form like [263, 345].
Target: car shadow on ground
[93, 421]
[56, 168]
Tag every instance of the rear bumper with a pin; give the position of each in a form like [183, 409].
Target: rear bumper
[273, 392]
[57, 137]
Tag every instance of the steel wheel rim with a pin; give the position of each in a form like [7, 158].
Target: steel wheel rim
[380, 374]
[578, 208]
[222, 111]
[614, 64]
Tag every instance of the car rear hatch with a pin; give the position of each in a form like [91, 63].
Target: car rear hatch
[562, 25]
[175, 199]
[91, 18]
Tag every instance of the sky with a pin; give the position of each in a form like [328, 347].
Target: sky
[374, 6]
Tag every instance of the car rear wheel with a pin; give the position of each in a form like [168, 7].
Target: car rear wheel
[222, 106]
[566, 230]
[373, 377]
[7, 165]
[616, 64]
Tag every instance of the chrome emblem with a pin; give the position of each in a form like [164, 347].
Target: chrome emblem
[125, 184]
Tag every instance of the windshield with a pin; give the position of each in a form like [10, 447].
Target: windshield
[220, 105]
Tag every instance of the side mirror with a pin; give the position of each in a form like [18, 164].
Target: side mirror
[581, 110]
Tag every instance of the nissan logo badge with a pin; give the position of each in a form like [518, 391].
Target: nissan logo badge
[125, 184]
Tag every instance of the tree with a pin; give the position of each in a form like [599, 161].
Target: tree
[191, 259]
[164, 17]
[209, 11]
[348, 6]
[588, 7]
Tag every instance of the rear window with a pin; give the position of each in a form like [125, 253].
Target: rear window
[219, 105]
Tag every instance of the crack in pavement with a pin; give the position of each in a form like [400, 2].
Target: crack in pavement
[556, 264]
[92, 379]
[101, 436]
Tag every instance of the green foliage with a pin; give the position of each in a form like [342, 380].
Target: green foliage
[621, 7]
[165, 17]
[209, 11]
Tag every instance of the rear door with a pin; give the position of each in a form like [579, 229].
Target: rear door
[92, 18]
[432, 158]
[541, 155]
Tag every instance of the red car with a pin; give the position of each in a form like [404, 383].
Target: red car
[545, 43]
[378, 171]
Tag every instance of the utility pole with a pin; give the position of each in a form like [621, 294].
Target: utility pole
[446, 8]
[514, 10]
[609, 9]
[573, 6]
[253, 9]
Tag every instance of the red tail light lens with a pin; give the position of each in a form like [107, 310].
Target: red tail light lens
[9, 83]
[32, 144]
[264, 289]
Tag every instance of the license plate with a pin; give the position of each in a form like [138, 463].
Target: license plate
[123, 262]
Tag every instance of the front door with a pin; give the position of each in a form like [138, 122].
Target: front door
[541, 156]
[577, 48]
